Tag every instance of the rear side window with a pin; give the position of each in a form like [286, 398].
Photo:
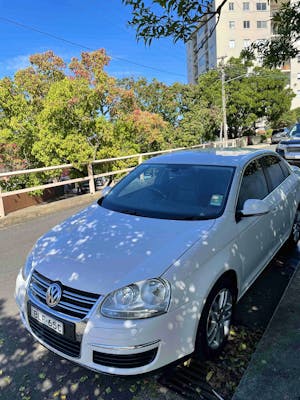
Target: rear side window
[254, 184]
[274, 172]
[285, 169]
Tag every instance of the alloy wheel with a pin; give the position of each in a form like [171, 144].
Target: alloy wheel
[219, 318]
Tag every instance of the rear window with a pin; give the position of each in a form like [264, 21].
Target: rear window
[254, 185]
[273, 170]
[285, 168]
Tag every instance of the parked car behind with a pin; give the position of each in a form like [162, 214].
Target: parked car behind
[99, 183]
[279, 134]
[290, 147]
[151, 272]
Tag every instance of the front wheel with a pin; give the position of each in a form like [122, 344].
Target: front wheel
[215, 321]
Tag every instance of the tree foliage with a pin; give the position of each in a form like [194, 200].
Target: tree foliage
[260, 94]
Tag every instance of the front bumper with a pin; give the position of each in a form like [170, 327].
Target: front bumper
[121, 347]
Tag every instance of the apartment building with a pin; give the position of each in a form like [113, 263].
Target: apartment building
[240, 24]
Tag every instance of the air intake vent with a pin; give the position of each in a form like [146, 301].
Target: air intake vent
[58, 342]
[124, 361]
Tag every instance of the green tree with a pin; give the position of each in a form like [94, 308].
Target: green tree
[262, 93]
[201, 116]
[69, 127]
[157, 97]
[142, 131]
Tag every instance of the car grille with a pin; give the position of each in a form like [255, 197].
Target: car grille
[124, 360]
[293, 149]
[58, 342]
[73, 302]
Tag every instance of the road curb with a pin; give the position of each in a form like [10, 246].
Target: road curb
[273, 371]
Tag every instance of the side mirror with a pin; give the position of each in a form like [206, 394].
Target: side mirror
[254, 207]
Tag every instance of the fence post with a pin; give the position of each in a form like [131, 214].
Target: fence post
[91, 178]
[140, 160]
[2, 212]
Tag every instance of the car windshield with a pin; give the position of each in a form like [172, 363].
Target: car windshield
[295, 131]
[171, 191]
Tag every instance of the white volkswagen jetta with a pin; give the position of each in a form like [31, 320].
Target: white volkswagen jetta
[151, 272]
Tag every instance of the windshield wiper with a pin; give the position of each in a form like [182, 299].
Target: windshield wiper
[130, 212]
[194, 218]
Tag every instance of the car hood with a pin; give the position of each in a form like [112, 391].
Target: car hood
[98, 250]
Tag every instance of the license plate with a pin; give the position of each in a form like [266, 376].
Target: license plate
[50, 322]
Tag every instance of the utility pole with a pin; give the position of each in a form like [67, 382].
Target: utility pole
[225, 131]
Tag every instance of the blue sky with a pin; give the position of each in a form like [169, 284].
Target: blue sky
[91, 23]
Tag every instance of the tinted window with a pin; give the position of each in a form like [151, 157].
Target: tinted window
[172, 191]
[274, 172]
[295, 131]
[285, 168]
[254, 185]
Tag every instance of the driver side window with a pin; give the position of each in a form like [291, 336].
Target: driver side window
[254, 184]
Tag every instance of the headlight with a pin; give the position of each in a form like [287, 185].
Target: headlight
[27, 266]
[140, 300]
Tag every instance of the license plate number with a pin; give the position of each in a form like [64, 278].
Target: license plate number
[50, 322]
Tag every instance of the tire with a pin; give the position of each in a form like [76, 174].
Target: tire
[215, 321]
[295, 233]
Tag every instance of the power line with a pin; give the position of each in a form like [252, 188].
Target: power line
[72, 43]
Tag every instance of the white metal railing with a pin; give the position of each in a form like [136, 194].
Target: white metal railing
[91, 176]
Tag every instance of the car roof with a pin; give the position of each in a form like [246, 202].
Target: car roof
[218, 156]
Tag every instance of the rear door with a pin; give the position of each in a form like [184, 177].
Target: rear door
[281, 198]
[256, 233]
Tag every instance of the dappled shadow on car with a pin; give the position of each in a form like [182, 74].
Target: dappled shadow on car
[31, 372]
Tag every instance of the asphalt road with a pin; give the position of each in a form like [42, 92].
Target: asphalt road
[30, 372]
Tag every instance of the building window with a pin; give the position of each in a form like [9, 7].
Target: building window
[230, 6]
[298, 75]
[231, 24]
[298, 58]
[246, 6]
[247, 43]
[231, 44]
[261, 24]
[261, 6]
[246, 24]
